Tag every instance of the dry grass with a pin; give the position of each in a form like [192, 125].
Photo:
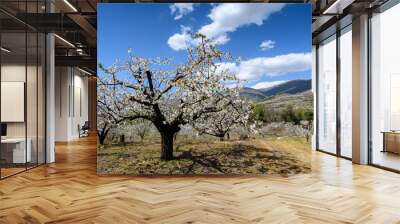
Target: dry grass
[283, 156]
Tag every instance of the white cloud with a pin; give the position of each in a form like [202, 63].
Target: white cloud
[267, 44]
[227, 17]
[227, 66]
[272, 66]
[222, 39]
[264, 85]
[181, 9]
[182, 40]
[255, 68]
[234, 85]
[230, 16]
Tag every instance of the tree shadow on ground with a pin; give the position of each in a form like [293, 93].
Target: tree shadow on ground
[243, 158]
[233, 158]
[211, 160]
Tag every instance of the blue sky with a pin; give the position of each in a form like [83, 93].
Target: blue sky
[161, 30]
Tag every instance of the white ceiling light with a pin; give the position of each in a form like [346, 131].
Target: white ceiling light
[70, 5]
[5, 50]
[84, 71]
[64, 40]
[338, 6]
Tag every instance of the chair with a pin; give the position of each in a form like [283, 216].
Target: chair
[84, 130]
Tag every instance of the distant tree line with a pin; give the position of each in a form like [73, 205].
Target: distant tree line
[289, 114]
[301, 117]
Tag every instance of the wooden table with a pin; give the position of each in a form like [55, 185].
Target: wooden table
[13, 150]
[391, 141]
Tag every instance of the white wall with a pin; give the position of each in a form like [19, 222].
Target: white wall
[79, 112]
[62, 81]
[71, 102]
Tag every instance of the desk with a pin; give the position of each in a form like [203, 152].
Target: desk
[13, 150]
[391, 141]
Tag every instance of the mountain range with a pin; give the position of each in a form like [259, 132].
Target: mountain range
[291, 87]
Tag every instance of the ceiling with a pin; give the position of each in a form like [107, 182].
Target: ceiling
[332, 15]
[75, 22]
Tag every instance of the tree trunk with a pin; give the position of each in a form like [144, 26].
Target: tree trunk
[102, 133]
[167, 146]
[221, 136]
[122, 139]
[141, 139]
[102, 137]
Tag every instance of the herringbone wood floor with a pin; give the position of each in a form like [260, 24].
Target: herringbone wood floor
[69, 191]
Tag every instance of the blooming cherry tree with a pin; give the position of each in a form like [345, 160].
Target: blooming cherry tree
[109, 107]
[234, 112]
[141, 127]
[140, 88]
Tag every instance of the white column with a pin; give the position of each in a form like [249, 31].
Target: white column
[50, 99]
[360, 90]
[314, 90]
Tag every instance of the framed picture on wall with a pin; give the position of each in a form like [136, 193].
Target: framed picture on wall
[12, 101]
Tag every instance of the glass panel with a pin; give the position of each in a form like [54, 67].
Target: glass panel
[31, 87]
[31, 98]
[385, 84]
[327, 95]
[41, 98]
[346, 93]
[23, 90]
[13, 86]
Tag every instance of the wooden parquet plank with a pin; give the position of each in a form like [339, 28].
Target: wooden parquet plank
[70, 191]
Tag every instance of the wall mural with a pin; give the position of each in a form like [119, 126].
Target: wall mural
[204, 89]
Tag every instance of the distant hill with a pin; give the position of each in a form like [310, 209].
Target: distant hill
[289, 87]
[298, 100]
[252, 94]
